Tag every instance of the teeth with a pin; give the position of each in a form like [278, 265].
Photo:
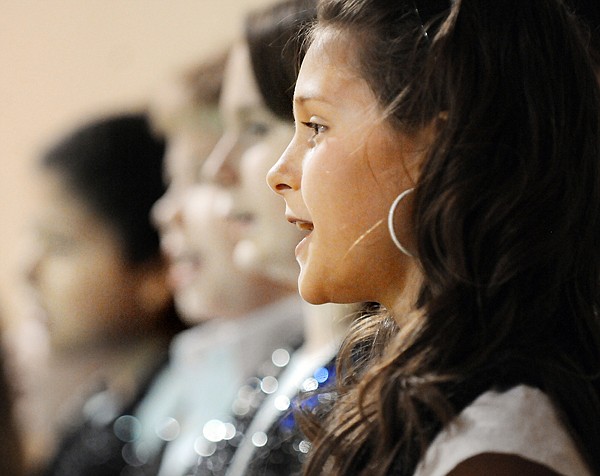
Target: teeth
[304, 226]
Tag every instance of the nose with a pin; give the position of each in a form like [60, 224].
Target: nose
[31, 262]
[220, 166]
[284, 175]
[166, 210]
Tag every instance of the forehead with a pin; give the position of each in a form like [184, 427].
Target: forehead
[330, 68]
[240, 90]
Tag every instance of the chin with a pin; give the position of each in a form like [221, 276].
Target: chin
[190, 309]
[322, 291]
[312, 294]
[285, 275]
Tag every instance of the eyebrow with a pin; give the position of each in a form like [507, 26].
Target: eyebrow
[303, 99]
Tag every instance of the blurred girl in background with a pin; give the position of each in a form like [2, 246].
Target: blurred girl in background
[100, 281]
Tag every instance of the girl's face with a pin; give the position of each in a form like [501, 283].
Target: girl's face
[85, 289]
[253, 140]
[197, 238]
[339, 176]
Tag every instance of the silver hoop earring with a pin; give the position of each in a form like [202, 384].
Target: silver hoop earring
[391, 213]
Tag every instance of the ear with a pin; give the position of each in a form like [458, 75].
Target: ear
[153, 293]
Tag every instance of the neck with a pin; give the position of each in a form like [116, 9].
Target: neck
[402, 304]
[325, 325]
[265, 292]
[116, 363]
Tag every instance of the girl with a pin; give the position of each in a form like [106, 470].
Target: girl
[244, 314]
[100, 281]
[446, 164]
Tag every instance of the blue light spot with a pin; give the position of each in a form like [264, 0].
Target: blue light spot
[321, 375]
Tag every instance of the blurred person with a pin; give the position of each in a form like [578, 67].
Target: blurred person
[203, 362]
[250, 314]
[202, 273]
[256, 106]
[100, 281]
[242, 315]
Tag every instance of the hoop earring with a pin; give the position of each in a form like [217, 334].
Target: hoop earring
[391, 213]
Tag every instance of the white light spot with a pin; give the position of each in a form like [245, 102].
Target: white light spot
[259, 439]
[168, 429]
[269, 385]
[282, 403]
[310, 384]
[229, 431]
[304, 446]
[214, 430]
[127, 428]
[280, 357]
[203, 447]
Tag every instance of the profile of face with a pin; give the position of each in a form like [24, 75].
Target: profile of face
[252, 141]
[339, 176]
[197, 237]
[86, 291]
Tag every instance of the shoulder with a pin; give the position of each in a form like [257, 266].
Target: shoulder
[496, 464]
[519, 426]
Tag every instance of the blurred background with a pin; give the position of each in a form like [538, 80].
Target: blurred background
[64, 60]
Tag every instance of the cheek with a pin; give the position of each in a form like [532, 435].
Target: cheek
[64, 279]
[319, 177]
[254, 166]
[333, 181]
[73, 298]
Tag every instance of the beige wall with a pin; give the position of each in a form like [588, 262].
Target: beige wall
[61, 60]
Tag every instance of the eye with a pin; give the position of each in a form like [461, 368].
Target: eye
[258, 129]
[316, 128]
[57, 244]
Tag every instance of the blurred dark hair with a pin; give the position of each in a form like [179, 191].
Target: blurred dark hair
[114, 165]
[193, 95]
[275, 39]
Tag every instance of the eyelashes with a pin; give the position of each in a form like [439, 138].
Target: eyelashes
[316, 128]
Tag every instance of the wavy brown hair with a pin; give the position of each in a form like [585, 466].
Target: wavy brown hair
[506, 219]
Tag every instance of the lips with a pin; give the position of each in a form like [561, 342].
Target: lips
[302, 225]
[184, 270]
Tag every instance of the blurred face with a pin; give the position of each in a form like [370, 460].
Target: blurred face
[85, 289]
[198, 239]
[253, 140]
[339, 176]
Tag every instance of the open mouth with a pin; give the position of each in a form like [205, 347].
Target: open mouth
[305, 226]
[184, 270]
[302, 225]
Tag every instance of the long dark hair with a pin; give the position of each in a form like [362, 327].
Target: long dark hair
[588, 14]
[506, 218]
[114, 165]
